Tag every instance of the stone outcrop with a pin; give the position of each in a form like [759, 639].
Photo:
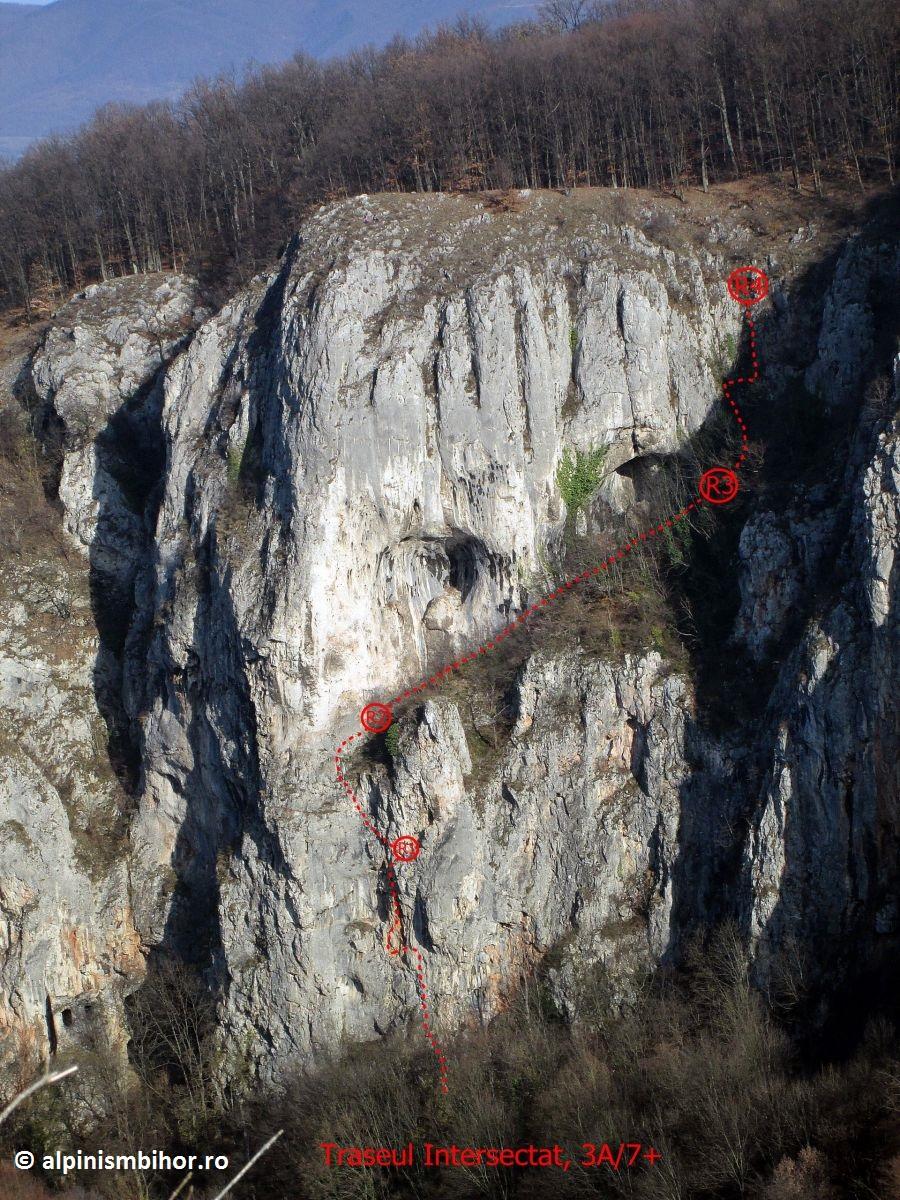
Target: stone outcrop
[821, 859]
[358, 479]
[69, 950]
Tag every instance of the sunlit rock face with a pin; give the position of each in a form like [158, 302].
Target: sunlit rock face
[358, 480]
[361, 482]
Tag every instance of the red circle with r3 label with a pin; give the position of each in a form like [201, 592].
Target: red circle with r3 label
[718, 485]
[748, 285]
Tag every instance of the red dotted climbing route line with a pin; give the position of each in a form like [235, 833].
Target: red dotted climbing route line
[717, 486]
[395, 942]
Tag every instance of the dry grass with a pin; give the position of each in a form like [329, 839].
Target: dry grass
[696, 1066]
[508, 201]
[19, 1185]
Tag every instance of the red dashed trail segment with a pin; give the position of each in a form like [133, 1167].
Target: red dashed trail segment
[716, 486]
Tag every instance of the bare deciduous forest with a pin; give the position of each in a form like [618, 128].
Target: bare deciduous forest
[636, 93]
[698, 1063]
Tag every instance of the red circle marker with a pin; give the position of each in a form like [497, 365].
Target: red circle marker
[718, 485]
[406, 848]
[376, 717]
[748, 285]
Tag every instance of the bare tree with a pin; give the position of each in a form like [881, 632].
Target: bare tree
[622, 93]
[48, 1078]
[568, 14]
[174, 1050]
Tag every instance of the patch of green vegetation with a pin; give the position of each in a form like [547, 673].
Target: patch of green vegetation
[243, 472]
[573, 338]
[578, 476]
[676, 543]
[722, 360]
[392, 739]
[236, 454]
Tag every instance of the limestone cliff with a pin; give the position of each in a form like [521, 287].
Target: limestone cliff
[69, 947]
[353, 475]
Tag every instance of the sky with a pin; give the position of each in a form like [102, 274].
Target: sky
[56, 69]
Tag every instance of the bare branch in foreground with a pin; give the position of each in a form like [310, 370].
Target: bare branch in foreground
[47, 1077]
[187, 1179]
[246, 1167]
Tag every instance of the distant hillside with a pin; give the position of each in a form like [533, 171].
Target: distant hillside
[60, 62]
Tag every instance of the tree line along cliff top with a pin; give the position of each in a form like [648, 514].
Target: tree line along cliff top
[643, 96]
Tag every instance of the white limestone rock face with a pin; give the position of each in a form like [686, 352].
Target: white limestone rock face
[780, 556]
[361, 480]
[850, 321]
[68, 944]
[408, 448]
[557, 842]
[99, 374]
[69, 949]
[101, 352]
[356, 481]
[820, 860]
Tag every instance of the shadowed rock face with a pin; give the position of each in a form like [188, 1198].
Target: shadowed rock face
[358, 479]
[70, 945]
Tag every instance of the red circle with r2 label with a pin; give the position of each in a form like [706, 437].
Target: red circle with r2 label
[376, 718]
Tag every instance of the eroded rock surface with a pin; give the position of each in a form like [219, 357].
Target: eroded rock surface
[359, 480]
[70, 950]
